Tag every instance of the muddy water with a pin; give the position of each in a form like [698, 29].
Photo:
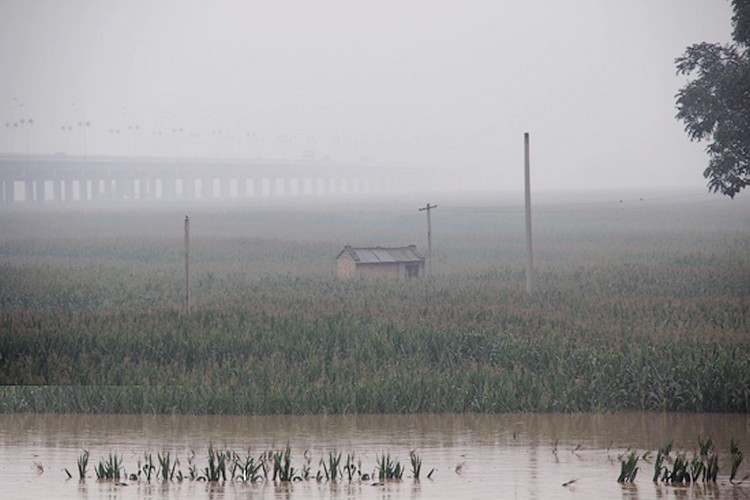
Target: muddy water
[474, 456]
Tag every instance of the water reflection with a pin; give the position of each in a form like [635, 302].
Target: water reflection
[474, 456]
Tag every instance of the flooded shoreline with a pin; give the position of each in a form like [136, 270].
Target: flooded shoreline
[473, 455]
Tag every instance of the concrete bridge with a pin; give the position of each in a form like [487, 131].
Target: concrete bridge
[65, 179]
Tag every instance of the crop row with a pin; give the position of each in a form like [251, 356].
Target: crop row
[270, 466]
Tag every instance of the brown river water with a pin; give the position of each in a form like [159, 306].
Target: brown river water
[473, 456]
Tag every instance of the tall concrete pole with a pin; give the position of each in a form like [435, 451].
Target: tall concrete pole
[428, 208]
[186, 303]
[529, 255]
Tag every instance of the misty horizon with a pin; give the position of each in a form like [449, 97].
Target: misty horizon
[426, 85]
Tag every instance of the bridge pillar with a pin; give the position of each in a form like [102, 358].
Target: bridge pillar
[124, 188]
[106, 188]
[96, 186]
[28, 186]
[39, 190]
[188, 188]
[146, 188]
[57, 186]
[242, 188]
[223, 188]
[68, 189]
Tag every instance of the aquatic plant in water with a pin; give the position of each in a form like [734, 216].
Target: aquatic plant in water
[628, 468]
[110, 468]
[83, 463]
[734, 450]
[389, 468]
[703, 466]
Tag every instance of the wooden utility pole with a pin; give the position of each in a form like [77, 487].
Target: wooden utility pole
[427, 209]
[529, 255]
[186, 301]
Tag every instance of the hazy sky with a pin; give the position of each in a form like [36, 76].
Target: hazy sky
[453, 84]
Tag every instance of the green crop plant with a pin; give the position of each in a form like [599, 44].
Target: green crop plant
[147, 467]
[680, 470]
[736, 455]
[661, 471]
[711, 469]
[167, 467]
[697, 469]
[389, 468]
[703, 466]
[332, 466]
[282, 466]
[416, 463]
[83, 463]
[110, 468]
[192, 467]
[217, 465]
[620, 321]
[706, 446]
[246, 468]
[350, 468]
[628, 468]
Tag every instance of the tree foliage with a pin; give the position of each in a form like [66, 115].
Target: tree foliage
[715, 105]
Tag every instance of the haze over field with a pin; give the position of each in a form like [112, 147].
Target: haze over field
[424, 84]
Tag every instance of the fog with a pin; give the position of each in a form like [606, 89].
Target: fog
[450, 86]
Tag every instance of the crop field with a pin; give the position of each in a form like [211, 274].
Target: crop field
[639, 303]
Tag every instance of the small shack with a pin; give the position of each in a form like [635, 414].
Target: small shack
[398, 263]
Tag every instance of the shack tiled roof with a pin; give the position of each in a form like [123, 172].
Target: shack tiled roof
[380, 255]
